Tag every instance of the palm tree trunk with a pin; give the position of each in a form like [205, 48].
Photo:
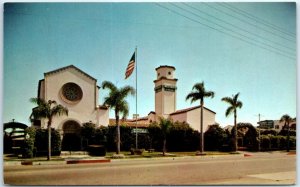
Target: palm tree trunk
[118, 133]
[49, 140]
[164, 146]
[288, 138]
[235, 133]
[201, 129]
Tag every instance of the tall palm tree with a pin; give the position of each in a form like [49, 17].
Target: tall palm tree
[165, 125]
[47, 110]
[234, 105]
[199, 93]
[287, 120]
[116, 100]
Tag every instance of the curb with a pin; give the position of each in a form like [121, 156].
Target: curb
[291, 153]
[86, 161]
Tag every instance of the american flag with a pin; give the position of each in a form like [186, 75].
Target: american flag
[130, 66]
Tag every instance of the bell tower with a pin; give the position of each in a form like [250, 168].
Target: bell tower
[165, 91]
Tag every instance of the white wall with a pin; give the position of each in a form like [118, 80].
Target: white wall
[193, 118]
[83, 111]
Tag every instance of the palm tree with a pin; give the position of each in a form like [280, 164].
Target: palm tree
[116, 100]
[234, 105]
[47, 110]
[165, 125]
[199, 93]
[287, 120]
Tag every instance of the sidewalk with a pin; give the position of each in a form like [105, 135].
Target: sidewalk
[83, 157]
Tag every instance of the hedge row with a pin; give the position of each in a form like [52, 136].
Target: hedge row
[270, 142]
[36, 144]
[180, 138]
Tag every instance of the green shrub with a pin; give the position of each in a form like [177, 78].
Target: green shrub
[88, 132]
[284, 132]
[214, 138]
[292, 142]
[28, 146]
[96, 150]
[282, 142]
[41, 142]
[274, 140]
[265, 142]
[268, 132]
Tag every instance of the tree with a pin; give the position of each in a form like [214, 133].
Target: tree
[47, 110]
[214, 137]
[199, 93]
[165, 126]
[234, 105]
[116, 100]
[287, 120]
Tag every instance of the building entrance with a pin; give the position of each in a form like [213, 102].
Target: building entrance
[71, 138]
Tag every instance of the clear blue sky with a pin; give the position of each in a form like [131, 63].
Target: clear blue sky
[220, 44]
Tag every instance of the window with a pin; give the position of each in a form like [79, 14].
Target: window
[169, 73]
[71, 92]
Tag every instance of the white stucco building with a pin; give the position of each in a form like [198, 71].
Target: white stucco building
[76, 90]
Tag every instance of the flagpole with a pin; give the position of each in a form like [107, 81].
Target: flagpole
[136, 134]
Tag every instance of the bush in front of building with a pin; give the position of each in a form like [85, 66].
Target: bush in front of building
[284, 132]
[271, 143]
[96, 150]
[265, 142]
[87, 132]
[182, 138]
[268, 132]
[214, 138]
[41, 142]
[28, 146]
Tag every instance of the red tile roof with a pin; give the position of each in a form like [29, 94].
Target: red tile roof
[142, 122]
[189, 109]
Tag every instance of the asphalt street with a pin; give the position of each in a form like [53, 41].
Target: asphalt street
[257, 169]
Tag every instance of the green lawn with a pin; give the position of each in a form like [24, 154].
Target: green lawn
[146, 154]
[127, 154]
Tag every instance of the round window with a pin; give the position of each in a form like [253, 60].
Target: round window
[71, 92]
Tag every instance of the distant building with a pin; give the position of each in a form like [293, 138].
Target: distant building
[275, 125]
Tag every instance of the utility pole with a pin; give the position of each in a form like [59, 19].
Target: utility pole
[258, 131]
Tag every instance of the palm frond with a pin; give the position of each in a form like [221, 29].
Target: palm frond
[109, 85]
[285, 118]
[165, 125]
[228, 100]
[229, 111]
[124, 109]
[209, 94]
[194, 96]
[37, 101]
[59, 110]
[127, 90]
[199, 87]
[239, 104]
[235, 97]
